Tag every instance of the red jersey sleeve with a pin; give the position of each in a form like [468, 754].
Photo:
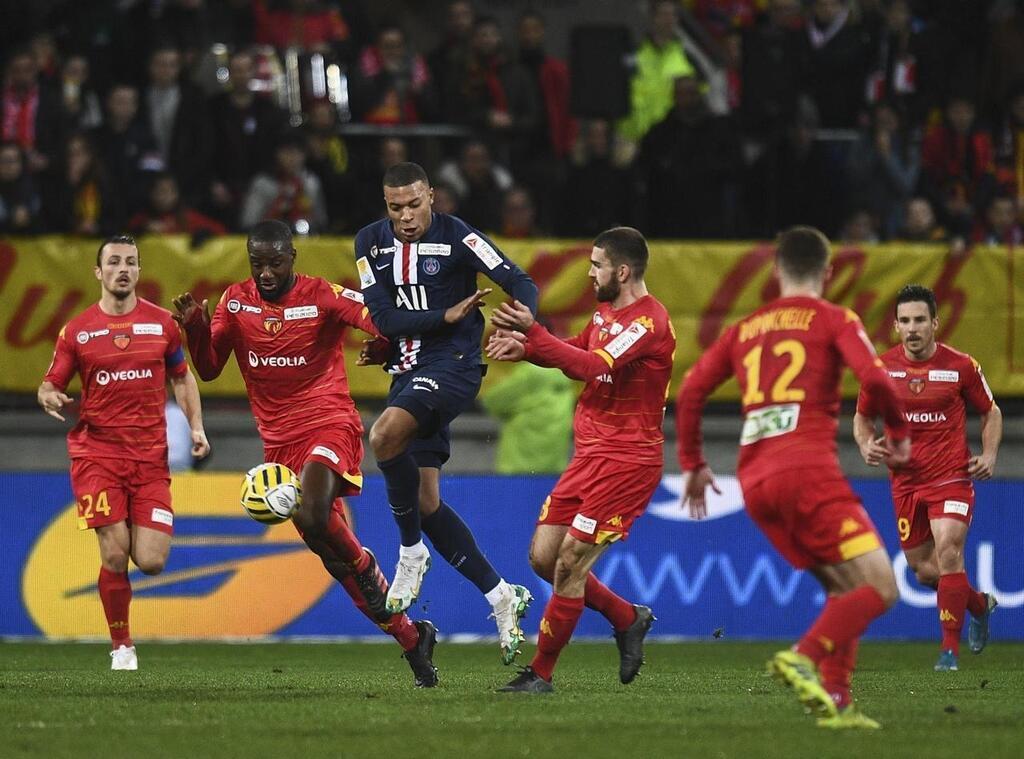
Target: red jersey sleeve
[210, 345]
[64, 364]
[347, 305]
[639, 339]
[859, 354]
[975, 389]
[711, 370]
[174, 357]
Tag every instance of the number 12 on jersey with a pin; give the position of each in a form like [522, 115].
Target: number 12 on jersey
[781, 390]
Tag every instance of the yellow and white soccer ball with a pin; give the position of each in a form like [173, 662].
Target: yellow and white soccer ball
[270, 493]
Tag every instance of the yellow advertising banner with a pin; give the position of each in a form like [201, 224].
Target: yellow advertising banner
[705, 286]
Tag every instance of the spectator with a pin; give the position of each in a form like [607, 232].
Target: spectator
[1004, 62]
[957, 165]
[535, 406]
[835, 63]
[860, 228]
[1001, 225]
[290, 192]
[659, 62]
[125, 146]
[689, 165]
[47, 57]
[542, 168]
[920, 224]
[1009, 145]
[31, 113]
[518, 215]
[19, 202]
[896, 59]
[494, 94]
[452, 54]
[393, 85]
[882, 169]
[176, 117]
[446, 200]
[81, 103]
[80, 199]
[479, 183]
[327, 156]
[597, 191]
[245, 129]
[165, 214]
[390, 152]
[770, 72]
[721, 17]
[309, 25]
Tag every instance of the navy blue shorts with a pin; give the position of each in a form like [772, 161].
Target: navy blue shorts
[435, 394]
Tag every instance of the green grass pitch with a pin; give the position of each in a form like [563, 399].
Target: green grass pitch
[706, 699]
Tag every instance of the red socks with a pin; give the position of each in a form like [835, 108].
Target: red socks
[836, 671]
[956, 596]
[399, 627]
[343, 541]
[116, 595]
[615, 609]
[843, 619]
[556, 626]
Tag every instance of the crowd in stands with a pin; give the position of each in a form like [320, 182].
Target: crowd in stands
[871, 119]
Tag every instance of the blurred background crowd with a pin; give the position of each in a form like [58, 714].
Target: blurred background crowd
[707, 119]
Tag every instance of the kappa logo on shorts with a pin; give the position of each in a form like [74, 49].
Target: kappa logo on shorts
[849, 526]
[955, 507]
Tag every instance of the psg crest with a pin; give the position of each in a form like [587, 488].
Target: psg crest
[122, 341]
[272, 324]
[916, 385]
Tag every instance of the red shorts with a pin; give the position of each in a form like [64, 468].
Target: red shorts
[109, 491]
[338, 448]
[915, 509]
[812, 517]
[600, 498]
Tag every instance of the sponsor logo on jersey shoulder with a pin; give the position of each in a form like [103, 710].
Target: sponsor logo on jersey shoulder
[121, 342]
[955, 507]
[272, 324]
[584, 524]
[234, 306]
[924, 417]
[301, 312]
[104, 377]
[943, 375]
[431, 266]
[480, 247]
[626, 340]
[340, 291]
[916, 385]
[897, 374]
[434, 249]
[366, 278]
[255, 360]
[83, 337]
[147, 329]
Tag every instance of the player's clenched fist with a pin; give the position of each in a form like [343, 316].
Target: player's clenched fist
[188, 309]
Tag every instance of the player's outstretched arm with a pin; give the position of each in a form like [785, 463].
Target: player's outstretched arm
[52, 400]
[484, 256]
[186, 394]
[983, 466]
[207, 339]
[711, 370]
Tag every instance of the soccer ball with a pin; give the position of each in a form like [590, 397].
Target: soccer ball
[270, 493]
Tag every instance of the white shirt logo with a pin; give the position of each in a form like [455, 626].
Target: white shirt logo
[256, 360]
[483, 251]
[301, 312]
[103, 377]
[942, 375]
[147, 329]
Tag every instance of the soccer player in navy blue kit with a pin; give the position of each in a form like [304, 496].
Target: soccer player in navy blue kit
[418, 271]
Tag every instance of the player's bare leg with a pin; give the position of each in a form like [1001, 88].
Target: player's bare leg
[859, 590]
[115, 542]
[955, 594]
[923, 563]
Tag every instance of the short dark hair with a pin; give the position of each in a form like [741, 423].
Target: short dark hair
[802, 252]
[402, 174]
[272, 231]
[916, 294]
[625, 245]
[116, 240]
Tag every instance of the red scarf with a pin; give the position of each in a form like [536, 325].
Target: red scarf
[19, 122]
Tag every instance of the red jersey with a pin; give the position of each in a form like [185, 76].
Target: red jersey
[788, 356]
[625, 358]
[935, 392]
[289, 352]
[123, 362]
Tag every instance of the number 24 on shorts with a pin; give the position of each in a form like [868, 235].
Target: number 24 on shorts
[90, 505]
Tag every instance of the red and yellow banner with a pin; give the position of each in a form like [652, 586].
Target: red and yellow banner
[705, 286]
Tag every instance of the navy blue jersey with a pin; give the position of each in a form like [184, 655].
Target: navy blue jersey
[409, 286]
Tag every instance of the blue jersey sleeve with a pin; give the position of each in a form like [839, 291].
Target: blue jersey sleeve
[484, 256]
[380, 297]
